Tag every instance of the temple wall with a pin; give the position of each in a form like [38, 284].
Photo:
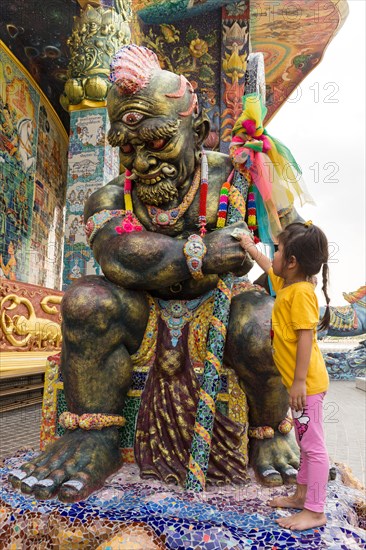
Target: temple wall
[210, 50]
[33, 165]
[192, 48]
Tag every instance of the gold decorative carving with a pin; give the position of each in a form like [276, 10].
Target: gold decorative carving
[97, 34]
[40, 330]
[29, 318]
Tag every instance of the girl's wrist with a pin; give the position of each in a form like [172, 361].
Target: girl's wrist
[252, 250]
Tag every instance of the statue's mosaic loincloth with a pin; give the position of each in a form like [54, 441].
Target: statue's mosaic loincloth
[169, 401]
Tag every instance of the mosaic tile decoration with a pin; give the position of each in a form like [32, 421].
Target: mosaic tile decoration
[168, 517]
[33, 149]
[92, 162]
[54, 403]
[347, 365]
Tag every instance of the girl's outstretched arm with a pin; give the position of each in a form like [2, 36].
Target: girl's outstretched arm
[247, 243]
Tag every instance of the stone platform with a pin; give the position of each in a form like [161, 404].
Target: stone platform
[130, 513]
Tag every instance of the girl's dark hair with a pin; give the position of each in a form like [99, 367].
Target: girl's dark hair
[309, 245]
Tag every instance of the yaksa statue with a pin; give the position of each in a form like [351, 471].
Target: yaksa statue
[147, 231]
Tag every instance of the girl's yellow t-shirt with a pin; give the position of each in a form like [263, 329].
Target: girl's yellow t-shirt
[296, 307]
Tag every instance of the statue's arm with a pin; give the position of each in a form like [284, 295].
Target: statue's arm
[148, 260]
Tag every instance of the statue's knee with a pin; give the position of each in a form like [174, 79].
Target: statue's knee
[89, 301]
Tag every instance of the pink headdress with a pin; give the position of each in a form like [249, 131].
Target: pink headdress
[132, 68]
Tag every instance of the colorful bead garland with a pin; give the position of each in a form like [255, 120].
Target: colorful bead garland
[224, 201]
[252, 209]
[129, 223]
[202, 221]
[266, 432]
[90, 421]
[127, 191]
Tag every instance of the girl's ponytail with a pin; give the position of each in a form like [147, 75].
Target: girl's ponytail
[324, 323]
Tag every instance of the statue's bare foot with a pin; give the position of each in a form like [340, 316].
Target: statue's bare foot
[71, 468]
[275, 461]
[306, 519]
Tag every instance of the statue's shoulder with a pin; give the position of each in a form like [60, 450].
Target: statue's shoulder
[108, 197]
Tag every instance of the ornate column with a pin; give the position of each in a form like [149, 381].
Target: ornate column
[234, 55]
[100, 30]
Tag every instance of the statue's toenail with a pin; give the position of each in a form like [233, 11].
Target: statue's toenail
[46, 482]
[291, 472]
[30, 481]
[74, 483]
[18, 474]
[269, 472]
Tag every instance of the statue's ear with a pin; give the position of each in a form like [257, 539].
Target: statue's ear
[201, 127]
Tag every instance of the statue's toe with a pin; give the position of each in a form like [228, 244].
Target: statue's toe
[27, 484]
[48, 486]
[74, 489]
[16, 476]
[288, 473]
[269, 476]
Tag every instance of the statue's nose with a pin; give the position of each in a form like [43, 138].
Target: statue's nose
[144, 161]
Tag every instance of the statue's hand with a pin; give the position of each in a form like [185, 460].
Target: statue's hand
[224, 252]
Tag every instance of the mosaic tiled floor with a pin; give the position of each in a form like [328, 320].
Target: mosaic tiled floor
[133, 513]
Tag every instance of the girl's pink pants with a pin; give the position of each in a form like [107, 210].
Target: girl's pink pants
[314, 461]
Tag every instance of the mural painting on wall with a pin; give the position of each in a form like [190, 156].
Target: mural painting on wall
[19, 104]
[292, 39]
[33, 157]
[89, 167]
[192, 48]
[49, 199]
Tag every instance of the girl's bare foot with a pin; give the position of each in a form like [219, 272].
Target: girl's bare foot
[292, 501]
[306, 519]
[297, 500]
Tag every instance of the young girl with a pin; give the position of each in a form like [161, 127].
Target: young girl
[302, 251]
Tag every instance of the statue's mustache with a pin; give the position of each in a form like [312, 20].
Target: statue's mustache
[166, 170]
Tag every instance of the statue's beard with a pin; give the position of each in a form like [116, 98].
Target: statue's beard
[159, 193]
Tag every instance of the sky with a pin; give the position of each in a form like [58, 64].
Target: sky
[323, 124]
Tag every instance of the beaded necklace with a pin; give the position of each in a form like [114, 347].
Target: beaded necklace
[170, 217]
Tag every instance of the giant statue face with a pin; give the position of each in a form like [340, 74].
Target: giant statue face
[158, 132]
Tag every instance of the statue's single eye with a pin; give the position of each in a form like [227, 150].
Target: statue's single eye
[126, 148]
[132, 118]
[157, 144]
